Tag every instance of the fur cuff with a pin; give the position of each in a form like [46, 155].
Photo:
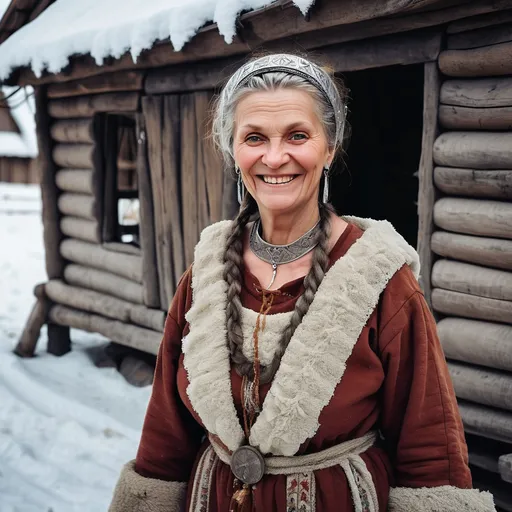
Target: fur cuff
[135, 493]
[445, 498]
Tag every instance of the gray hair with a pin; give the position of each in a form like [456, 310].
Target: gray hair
[223, 125]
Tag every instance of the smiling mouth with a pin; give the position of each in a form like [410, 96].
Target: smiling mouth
[277, 180]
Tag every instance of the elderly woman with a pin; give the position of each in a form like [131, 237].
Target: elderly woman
[300, 368]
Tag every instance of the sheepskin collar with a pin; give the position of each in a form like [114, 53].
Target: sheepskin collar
[342, 305]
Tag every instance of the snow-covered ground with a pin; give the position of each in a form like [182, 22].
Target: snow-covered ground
[66, 427]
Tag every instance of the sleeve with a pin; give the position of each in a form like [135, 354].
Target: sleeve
[420, 420]
[157, 479]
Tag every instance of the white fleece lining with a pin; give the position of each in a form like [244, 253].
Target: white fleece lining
[445, 498]
[315, 360]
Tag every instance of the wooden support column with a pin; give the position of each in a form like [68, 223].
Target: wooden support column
[59, 342]
[49, 191]
[426, 192]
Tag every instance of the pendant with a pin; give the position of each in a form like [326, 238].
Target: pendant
[248, 465]
[274, 273]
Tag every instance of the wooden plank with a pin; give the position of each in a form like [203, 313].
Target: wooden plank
[105, 282]
[474, 182]
[505, 467]
[110, 185]
[109, 82]
[480, 37]
[491, 252]
[122, 247]
[51, 231]
[426, 190]
[81, 229]
[482, 385]
[151, 290]
[474, 217]
[140, 338]
[75, 180]
[482, 92]
[483, 20]
[111, 307]
[95, 256]
[469, 118]
[488, 61]
[74, 155]
[485, 421]
[78, 205]
[471, 306]
[73, 131]
[87, 106]
[476, 342]
[472, 279]
[477, 150]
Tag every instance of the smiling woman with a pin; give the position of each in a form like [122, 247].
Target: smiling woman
[324, 390]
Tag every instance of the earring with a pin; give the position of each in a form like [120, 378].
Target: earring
[326, 185]
[239, 186]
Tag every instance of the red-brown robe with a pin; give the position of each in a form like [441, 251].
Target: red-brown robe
[396, 380]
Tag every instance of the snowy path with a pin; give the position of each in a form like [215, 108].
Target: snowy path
[66, 427]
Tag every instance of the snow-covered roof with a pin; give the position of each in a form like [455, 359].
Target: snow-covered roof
[22, 108]
[109, 28]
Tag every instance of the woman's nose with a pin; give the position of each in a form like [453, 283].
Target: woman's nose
[275, 155]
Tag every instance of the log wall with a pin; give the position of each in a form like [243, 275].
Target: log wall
[472, 279]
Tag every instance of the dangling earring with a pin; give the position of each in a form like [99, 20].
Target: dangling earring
[326, 185]
[239, 186]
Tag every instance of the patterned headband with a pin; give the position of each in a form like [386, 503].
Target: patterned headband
[282, 62]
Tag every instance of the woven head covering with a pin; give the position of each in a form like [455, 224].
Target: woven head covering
[293, 65]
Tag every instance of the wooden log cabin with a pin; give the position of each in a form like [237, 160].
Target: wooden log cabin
[129, 178]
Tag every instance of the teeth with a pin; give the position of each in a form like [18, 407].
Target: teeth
[277, 180]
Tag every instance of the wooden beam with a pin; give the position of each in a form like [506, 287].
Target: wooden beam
[426, 191]
[87, 106]
[122, 247]
[73, 131]
[505, 467]
[92, 255]
[106, 83]
[472, 279]
[75, 180]
[105, 282]
[470, 306]
[81, 229]
[480, 37]
[140, 338]
[482, 92]
[59, 341]
[474, 217]
[491, 252]
[484, 20]
[80, 156]
[51, 231]
[469, 118]
[40, 6]
[496, 184]
[474, 150]
[476, 342]
[78, 205]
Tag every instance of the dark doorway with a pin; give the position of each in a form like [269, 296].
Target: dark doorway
[377, 178]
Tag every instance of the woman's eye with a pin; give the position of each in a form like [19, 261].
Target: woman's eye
[253, 139]
[298, 136]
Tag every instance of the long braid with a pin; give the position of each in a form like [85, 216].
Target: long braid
[311, 283]
[233, 259]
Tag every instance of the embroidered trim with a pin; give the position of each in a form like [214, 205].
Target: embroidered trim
[200, 501]
[316, 358]
[301, 492]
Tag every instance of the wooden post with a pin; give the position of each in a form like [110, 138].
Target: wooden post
[59, 342]
[49, 192]
[426, 192]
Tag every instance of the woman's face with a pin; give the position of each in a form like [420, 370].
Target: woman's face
[281, 149]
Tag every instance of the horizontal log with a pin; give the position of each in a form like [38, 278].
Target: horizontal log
[505, 467]
[470, 118]
[120, 247]
[79, 156]
[112, 307]
[485, 421]
[75, 180]
[482, 385]
[73, 131]
[95, 256]
[491, 252]
[109, 82]
[495, 184]
[472, 279]
[105, 282]
[482, 92]
[87, 106]
[474, 216]
[482, 20]
[82, 229]
[470, 306]
[477, 342]
[78, 205]
[477, 150]
[487, 61]
[146, 340]
[479, 37]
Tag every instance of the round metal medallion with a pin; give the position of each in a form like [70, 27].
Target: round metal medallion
[248, 465]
